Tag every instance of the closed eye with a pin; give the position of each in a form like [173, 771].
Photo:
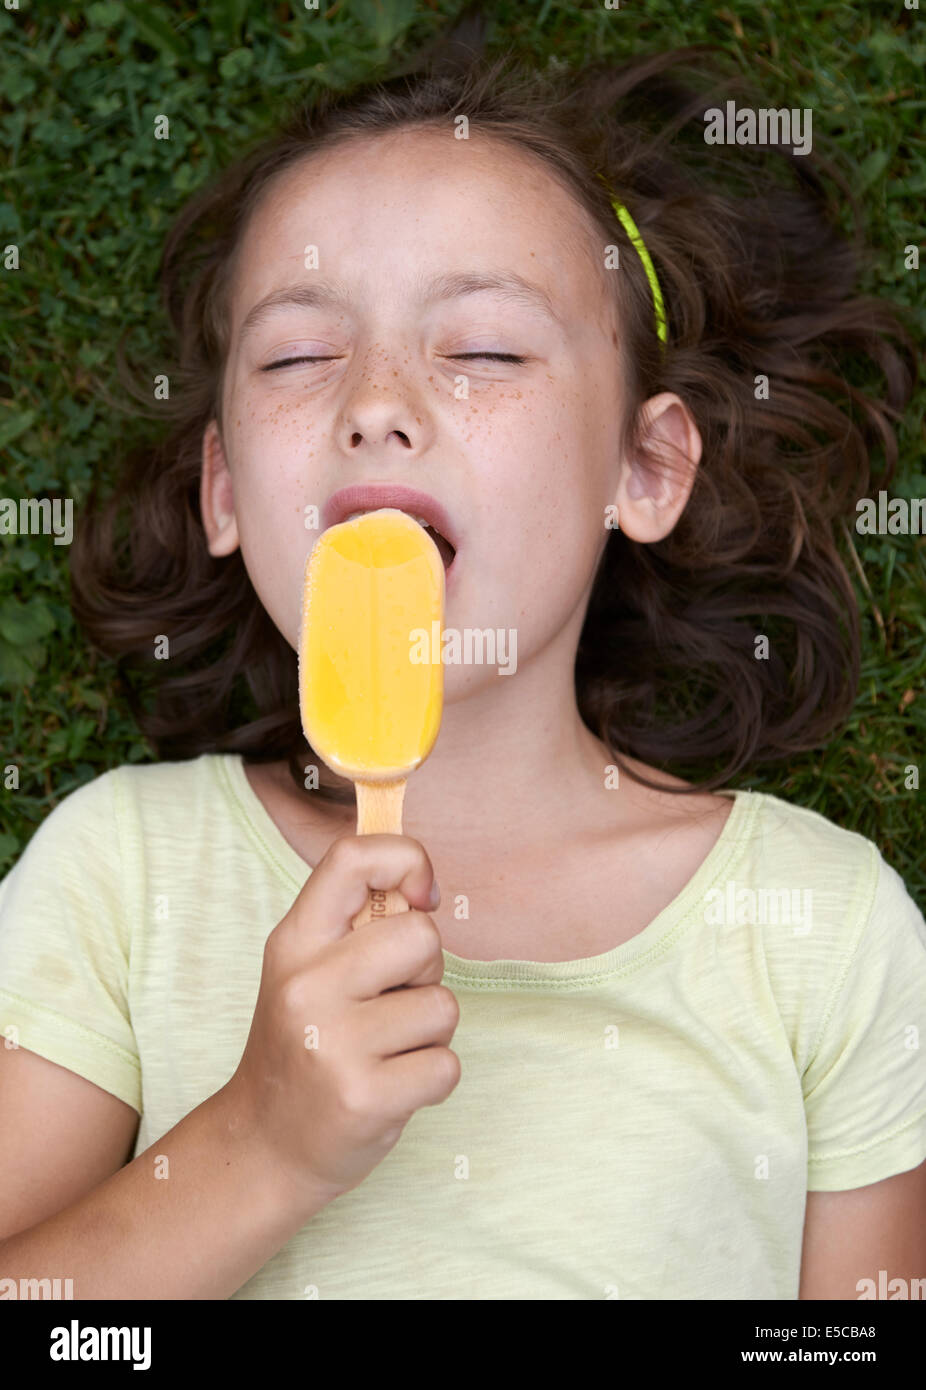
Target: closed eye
[458, 356]
[288, 361]
[494, 356]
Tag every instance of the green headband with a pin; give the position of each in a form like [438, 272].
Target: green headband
[630, 228]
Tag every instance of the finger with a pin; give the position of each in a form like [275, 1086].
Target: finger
[339, 885]
[396, 1023]
[387, 954]
[413, 1079]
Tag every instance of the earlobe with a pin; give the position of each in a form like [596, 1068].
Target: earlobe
[216, 497]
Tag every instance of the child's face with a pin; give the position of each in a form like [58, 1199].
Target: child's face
[524, 464]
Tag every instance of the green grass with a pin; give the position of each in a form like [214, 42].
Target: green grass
[86, 194]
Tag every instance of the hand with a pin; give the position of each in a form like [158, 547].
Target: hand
[328, 1113]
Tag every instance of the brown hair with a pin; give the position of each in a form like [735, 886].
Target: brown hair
[757, 279]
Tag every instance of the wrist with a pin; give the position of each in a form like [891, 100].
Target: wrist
[289, 1198]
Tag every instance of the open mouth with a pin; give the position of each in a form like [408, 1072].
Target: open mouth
[445, 549]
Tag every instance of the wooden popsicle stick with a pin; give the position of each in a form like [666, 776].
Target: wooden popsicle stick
[379, 812]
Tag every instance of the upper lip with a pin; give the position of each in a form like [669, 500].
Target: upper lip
[371, 496]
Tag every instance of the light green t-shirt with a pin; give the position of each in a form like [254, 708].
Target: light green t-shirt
[642, 1124]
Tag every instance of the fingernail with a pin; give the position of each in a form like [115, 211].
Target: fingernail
[434, 899]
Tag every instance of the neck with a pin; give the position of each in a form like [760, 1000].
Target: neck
[512, 761]
[515, 764]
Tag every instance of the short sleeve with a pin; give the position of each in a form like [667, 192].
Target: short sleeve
[865, 1087]
[65, 941]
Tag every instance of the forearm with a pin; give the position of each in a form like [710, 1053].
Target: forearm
[200, 1232]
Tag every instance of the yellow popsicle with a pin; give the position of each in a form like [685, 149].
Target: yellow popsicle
[369, 710]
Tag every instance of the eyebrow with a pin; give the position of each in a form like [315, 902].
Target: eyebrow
[332, 294]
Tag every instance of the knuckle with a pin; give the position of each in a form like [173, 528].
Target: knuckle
[275, 945]
[451, 1069]
[342, 851]
[355, 1097]
[446, 1005]
[424, 929]
[419, 854]
[423, 855]
[292, 997]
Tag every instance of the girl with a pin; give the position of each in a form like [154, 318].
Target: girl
[683, 1016]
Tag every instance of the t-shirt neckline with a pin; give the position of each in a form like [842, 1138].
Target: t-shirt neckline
[648, 945]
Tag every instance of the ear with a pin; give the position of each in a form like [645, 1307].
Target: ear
[651, 496]
[216, 498]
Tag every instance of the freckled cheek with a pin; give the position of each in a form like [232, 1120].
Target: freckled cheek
[273, 490]
[263, 424]
[537, 492]
[276, 453]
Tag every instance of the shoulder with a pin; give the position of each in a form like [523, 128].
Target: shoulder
[154, 780]
[139, 782]
[184, 790]
[815, 894]
[112, 815]
[840, 934]
[799, 848]
[855, 888]
[81, 817]
[767, 836]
